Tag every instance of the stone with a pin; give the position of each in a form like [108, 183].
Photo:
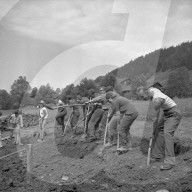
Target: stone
[105, 185]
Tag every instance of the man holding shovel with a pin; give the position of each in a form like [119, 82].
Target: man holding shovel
[43, 114]
[128, 114]
[165, 127]
[61, 113]
[113, 123]
[99, 115]
[74, 116]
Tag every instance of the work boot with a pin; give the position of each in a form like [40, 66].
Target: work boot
[83, 137]
[154, 160]
[91, 139]
[108, 145]
[122, 148]
[166, 167]
[100, 133]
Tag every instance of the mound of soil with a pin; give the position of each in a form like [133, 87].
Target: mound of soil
[74, 148]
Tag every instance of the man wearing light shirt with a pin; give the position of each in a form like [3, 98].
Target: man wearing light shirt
[43, 119]
[163, 128]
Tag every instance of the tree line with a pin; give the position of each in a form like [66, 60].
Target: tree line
[19, 94]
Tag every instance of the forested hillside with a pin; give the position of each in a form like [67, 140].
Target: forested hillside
[158, 61]
[170, 66]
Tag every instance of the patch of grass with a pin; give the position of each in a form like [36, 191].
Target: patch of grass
[146, 110]
[185, 106]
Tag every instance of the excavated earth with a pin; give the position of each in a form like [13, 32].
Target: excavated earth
[71, 165]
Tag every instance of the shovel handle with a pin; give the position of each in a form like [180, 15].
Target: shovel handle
[149, 151]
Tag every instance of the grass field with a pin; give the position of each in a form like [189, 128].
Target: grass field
[144, 108]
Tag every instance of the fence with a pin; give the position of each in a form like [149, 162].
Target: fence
[29, 150]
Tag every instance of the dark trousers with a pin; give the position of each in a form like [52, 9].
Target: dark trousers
[60, 118]
[103, 122]
[163, 145]
[95, 119]
[124, 128]
[75, 118]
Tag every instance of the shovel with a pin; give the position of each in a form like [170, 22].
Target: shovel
[67, 123]
[100, 153]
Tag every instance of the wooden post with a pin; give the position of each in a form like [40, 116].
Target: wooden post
[29, 162]
[1, 145]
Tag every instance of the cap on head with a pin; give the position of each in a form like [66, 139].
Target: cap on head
[109, 94]
[16, 111]
[109, 88]
[102, 89]
[42, 102]
[159, 86]
[60, 103]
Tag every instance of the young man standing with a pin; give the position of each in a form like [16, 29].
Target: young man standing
[163, 128]
[43, 114]
[128, 114]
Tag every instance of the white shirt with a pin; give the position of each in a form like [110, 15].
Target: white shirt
[42, 112]
[156, 93]
[16, 120]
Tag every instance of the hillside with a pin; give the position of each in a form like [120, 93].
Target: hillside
[158, 64]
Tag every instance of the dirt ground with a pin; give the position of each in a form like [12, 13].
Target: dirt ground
[85, 170]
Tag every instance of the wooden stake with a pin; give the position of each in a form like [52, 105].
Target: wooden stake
[29, 162]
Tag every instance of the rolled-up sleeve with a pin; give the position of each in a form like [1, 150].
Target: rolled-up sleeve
[99, 98]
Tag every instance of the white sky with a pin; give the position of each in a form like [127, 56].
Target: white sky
[57, 41]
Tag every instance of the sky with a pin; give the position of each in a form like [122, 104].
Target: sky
[59, 42]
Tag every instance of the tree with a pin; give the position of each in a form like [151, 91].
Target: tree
[58, 91]
[18, 90]
[47, 94]
[5, 100]
[108, 80]
[85, 85]
[27, 100]
[179, 83]
[67, 92]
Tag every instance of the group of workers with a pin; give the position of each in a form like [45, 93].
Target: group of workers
[119, 113]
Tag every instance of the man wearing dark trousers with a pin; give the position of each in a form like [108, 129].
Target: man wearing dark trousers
[99, 115]
[75, 114]
[128, 114]
[164, 126]
[60, 117]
